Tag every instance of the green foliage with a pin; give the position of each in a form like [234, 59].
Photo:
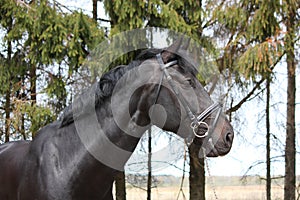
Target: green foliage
[254, 43]
[260, 59]
[264, 23]
[83, 35]
[4, 77]
[177, 15]
[181, 16]
[57, 92]
[39, 37]
[126, 15]
[233, 17]
[54, 36]
[46, 34]
[33, 116]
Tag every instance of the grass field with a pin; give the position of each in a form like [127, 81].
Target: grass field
[225, 188]
[253, 192]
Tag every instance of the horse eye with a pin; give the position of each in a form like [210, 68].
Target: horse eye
[191, 83]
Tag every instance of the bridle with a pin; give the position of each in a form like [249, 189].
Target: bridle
[196, 121]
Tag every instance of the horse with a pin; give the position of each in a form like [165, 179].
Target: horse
[78, 156]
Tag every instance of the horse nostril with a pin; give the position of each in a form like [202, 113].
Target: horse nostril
[229, 138]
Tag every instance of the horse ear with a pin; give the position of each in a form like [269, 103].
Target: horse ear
[169, 52]
[180, 45]
[186, 44]
[176, 45]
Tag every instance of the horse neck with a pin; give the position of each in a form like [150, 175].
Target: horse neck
[106, 152]
[108, 139]
[102, 120]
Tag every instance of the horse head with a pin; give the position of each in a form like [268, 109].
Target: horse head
[172, 98]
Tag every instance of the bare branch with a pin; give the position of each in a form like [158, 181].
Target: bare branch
[257, 85]
[22, 3]
[273, 178]
[104, 20]
[237, 106]
[182, 179]
[59, 5]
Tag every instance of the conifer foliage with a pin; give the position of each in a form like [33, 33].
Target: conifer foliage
[42, 46]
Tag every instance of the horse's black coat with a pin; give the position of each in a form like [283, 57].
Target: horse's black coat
[56, 165]
[104, 87]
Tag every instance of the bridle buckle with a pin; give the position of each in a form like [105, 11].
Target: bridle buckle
[195, 125]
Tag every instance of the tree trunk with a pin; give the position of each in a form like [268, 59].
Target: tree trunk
[7, 115]
[197, 174]
[149, 180]
[197, 165]
[23, 132]
[8, 92]
[32, 74]
[95, 10]
[290, 147]
[268, 150]
[120, 186]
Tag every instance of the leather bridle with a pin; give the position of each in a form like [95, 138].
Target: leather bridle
[197, 122]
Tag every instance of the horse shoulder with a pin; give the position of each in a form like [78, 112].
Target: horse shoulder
[11, 166]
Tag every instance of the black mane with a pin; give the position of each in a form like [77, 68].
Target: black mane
[105, 86]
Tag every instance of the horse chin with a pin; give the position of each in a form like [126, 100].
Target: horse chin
[213, 153]
[217, 151]
[214, 150]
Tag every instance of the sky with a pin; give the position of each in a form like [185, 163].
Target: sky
[248, 146]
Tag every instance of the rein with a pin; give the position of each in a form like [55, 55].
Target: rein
[196, 122]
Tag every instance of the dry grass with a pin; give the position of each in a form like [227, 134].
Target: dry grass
[250, 192]
[226, 188]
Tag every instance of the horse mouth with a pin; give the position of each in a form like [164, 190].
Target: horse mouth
[215, 150]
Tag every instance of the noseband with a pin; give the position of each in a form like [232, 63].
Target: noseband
[196, 122]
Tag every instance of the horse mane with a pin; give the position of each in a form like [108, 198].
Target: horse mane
[104, 88]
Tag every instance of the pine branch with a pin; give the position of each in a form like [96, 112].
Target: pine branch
[257, 85]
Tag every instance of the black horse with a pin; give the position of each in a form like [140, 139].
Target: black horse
[74, 158]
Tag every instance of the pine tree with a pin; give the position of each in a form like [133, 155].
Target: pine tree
[39, 37]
